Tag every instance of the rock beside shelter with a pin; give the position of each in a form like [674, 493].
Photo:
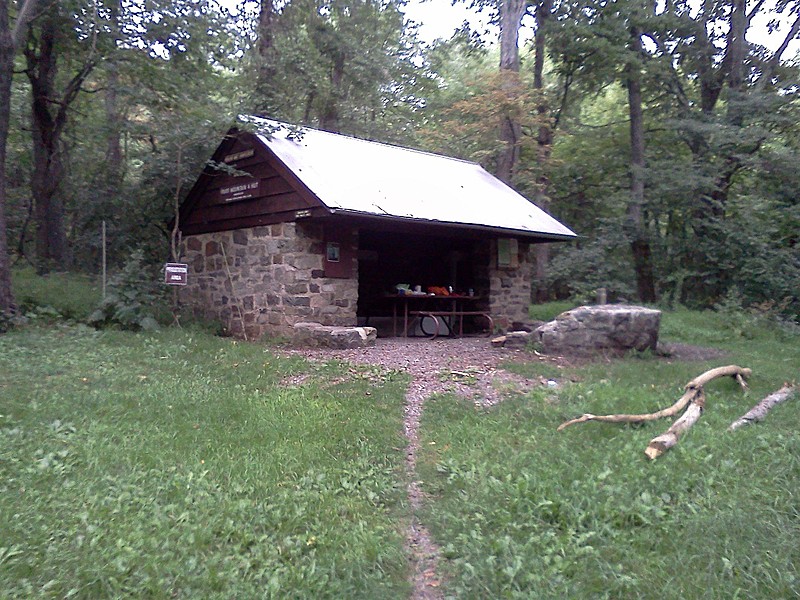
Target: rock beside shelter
[325, 336]
[612, 328]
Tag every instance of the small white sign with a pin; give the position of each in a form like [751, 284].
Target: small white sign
[176, 274]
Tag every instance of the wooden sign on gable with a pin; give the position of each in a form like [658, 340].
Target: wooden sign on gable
[240, 191]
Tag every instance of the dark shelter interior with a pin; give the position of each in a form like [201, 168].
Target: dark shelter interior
[426, 261]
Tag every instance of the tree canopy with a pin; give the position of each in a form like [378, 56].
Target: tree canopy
[665, 134]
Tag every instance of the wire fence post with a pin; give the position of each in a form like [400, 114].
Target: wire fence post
[104, 258]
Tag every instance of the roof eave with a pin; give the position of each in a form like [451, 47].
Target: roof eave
[534, 236]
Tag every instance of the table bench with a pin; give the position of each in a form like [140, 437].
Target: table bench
[435, 314]
[436, 307]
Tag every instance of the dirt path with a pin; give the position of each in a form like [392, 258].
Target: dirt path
[468, 367]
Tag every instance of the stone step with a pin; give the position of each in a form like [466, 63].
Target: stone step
[327, 336]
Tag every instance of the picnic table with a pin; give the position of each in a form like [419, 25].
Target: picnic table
[447, 311]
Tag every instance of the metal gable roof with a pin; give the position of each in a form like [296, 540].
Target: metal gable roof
[369, 178]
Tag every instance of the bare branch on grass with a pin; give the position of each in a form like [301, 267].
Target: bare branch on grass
[660, 444]
[759, 411]
[693, 389]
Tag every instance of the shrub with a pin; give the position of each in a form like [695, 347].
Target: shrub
[134, 297]
[55, 295]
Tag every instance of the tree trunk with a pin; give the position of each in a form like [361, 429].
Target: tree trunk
[51, 237]
[112, 172]
[266, 66]
[329, 118]
[113, 157]
[265, 31]
[544, 142]
[545, 137]
[710, 75]
[114, 162]
[637, 231]
[511, 12]
[737, 46]
[715, 73]
[51, 242]
[49, 115]
[6, 72]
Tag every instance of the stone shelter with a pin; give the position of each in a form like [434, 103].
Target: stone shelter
[289, 224]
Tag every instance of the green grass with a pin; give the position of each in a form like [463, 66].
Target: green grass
[57, 294]
[523, 511]
[179, 465]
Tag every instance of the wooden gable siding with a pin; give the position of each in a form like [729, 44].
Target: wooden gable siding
[270, 194]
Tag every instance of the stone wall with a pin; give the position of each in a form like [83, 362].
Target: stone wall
[510, 287]
[263, 280]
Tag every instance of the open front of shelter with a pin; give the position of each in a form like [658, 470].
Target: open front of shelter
[291, 225]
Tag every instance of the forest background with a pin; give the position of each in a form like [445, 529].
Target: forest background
[659, 131]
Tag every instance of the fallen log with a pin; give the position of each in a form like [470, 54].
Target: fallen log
[660, 444]
[760, 410]
[693, 388]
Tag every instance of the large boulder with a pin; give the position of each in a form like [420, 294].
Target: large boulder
[607, 328]
[325, 336]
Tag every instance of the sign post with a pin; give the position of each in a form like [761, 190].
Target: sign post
[176, 273]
